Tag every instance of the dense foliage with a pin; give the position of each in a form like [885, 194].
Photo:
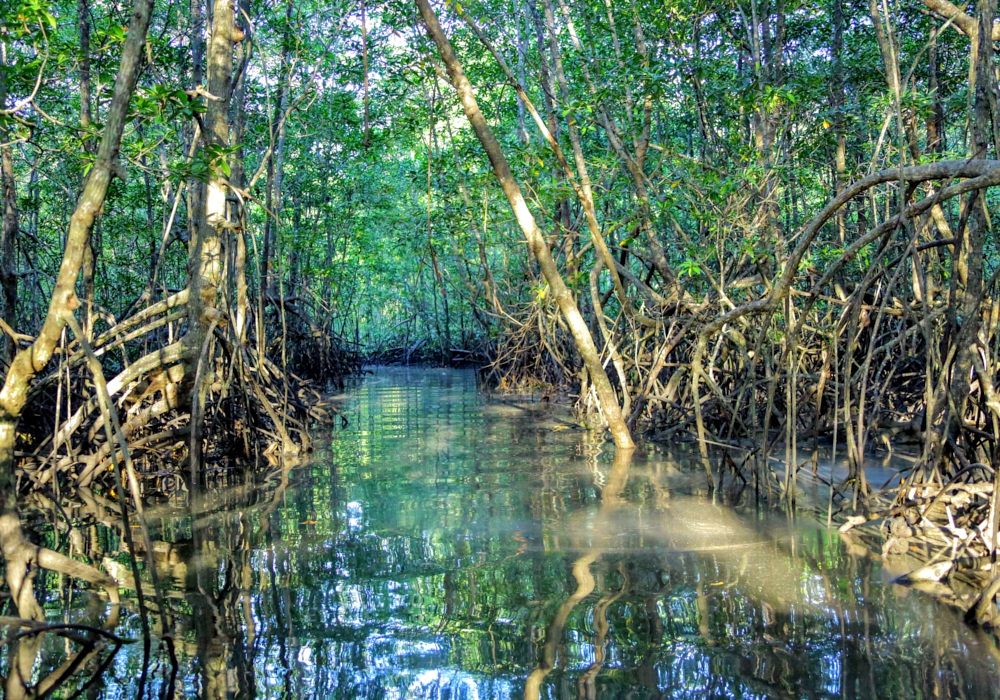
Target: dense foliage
[383, 221]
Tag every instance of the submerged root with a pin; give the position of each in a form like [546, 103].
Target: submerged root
[100, 424]
[944, 536]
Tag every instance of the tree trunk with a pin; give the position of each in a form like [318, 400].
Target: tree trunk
[536, 241]
[935, 120]
[275, 165]
[522, 49]
[206, 250]
[634, 163]
[982, 131]
[91, 254]
[8, 235]
[238, 174]
[196, 188]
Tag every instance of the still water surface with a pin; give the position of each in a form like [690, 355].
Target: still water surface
[446, 546]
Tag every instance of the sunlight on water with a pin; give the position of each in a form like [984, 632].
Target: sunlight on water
[443, 546]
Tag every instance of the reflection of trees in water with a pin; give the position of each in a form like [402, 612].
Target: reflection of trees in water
[709, 621]
[471, 573]
[607, 620]
[41, 656]
[589, 622]
[611, 496]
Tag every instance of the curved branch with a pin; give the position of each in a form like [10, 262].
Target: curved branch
[30, 98]
[981, 174]
[962, 21]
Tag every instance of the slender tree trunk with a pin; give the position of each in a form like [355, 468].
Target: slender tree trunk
[560, 217]
[205, 263]
[548, 87]
[8, 248]
[585, 193]
[275, 166]
[206, 250]
[982, 138]
[91, 253]
[935, 120]
[295, 251]
[634, 163]
[196, 188]
[536, 241]
[522, 48]
[837, 102]
[238, 174]
[83, 18]
[9, 233]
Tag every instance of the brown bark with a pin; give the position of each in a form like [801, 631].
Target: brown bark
[982, 131]
[965, 24]
[548, 89]
[91, 254]
[196, 188]
[83, 10]
[935, 120]
[585, 193]
[907, 126]
[536, 241]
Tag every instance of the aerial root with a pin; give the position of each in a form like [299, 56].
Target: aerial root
[824, 355]
[249, 402]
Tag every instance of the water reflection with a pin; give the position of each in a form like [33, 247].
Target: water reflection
[601, 527]
[449, 547]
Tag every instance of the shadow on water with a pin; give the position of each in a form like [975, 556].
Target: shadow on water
[447, 546]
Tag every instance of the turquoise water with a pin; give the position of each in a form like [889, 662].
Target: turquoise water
[448, 546]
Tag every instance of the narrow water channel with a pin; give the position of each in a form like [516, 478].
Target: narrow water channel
[448, 546]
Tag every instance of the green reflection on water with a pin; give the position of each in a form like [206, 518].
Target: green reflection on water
[444, 546]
